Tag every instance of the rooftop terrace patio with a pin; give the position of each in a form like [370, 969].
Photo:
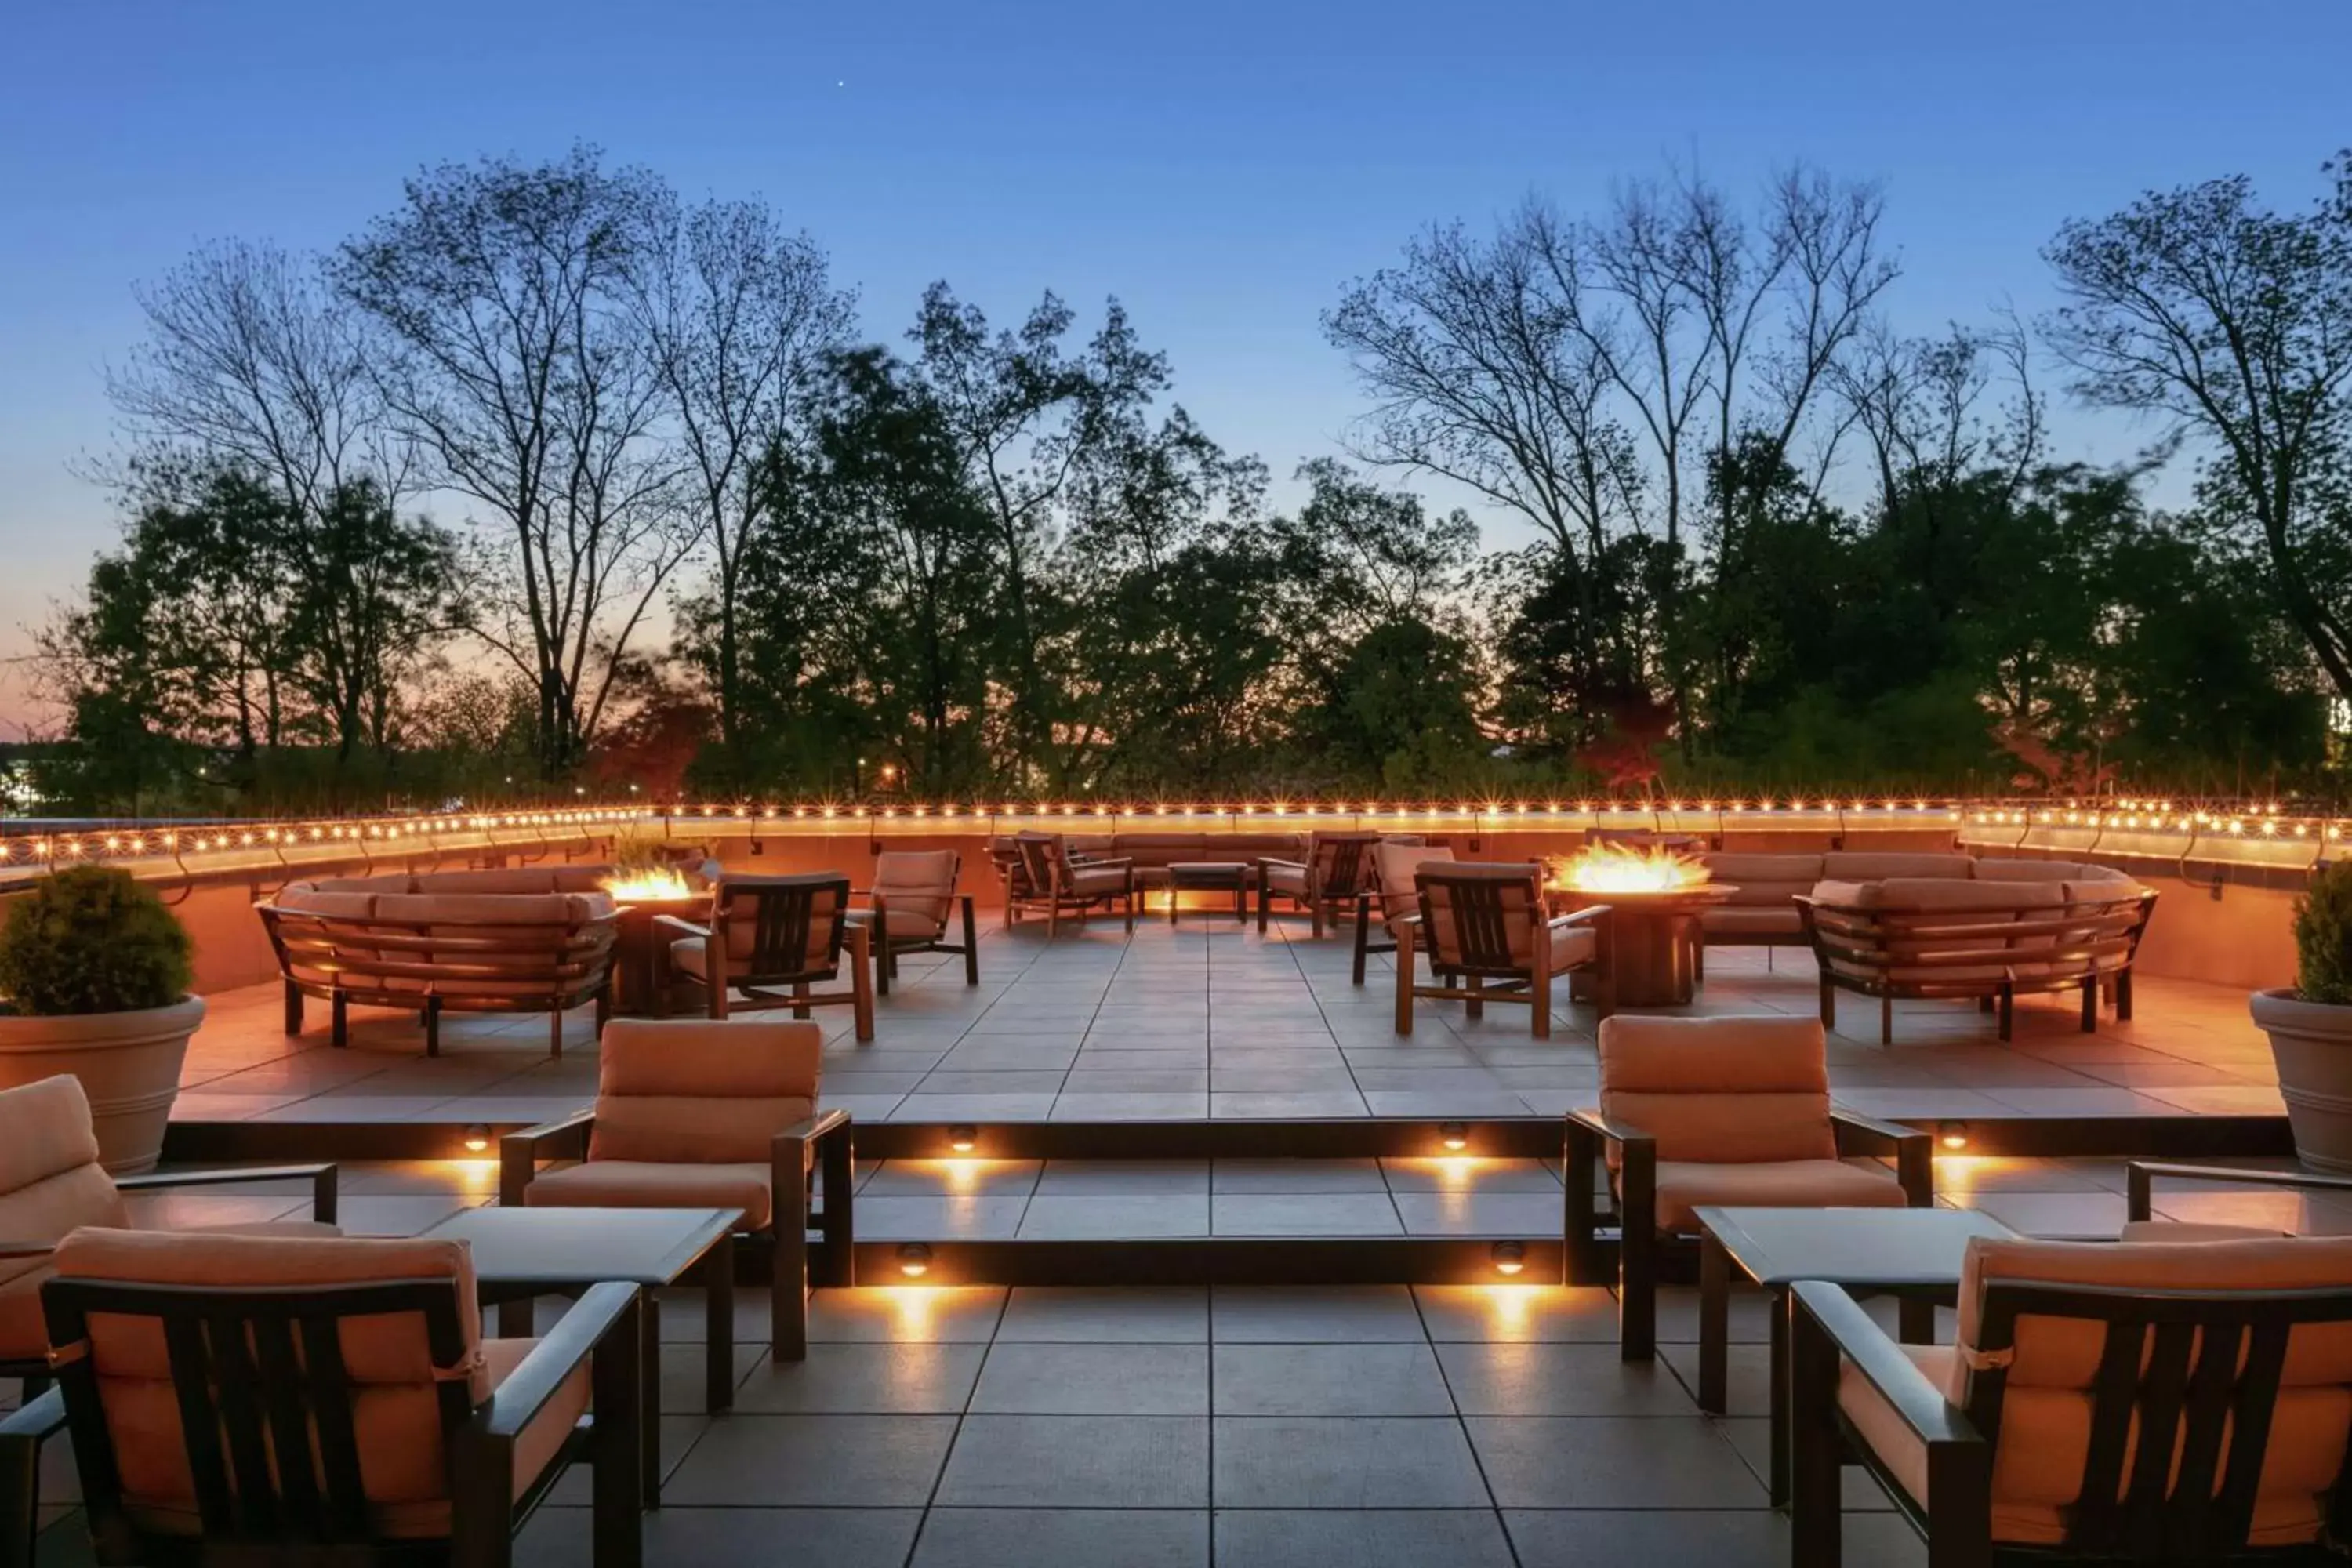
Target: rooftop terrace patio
[1207, 1020]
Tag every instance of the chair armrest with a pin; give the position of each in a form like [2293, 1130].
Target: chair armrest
[681, 925]
[322, 1177]
[38, 1419]
[12, 1251]
[1913, 1151]
[1265, 860]
[1918, 1403]
[558, 1354]
[824, 1124]
[1588, 915]
[1590, 1119]
[519, 1153]
[2140, 1181]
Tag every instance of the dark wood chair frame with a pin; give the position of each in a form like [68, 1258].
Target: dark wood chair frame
[1046, 863]
[1478, 923]
[2140, 1175]
[1641, 1246]
[1334, 883]
[259, 1376]
[1889, 938]
[2192, 1344]
[797, 1156]
[782, 909]
[580, 970]
[886, 959]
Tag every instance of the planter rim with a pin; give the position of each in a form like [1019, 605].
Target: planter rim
[2284, 1009]
[141, 1022]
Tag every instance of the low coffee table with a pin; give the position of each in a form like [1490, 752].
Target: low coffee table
[520, 1253]
[1210, 875]
[1912, 1254]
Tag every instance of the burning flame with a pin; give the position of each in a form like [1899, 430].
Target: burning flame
[1627, 868]
[648, 886]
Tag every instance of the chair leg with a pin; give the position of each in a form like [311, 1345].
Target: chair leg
[2123, 996]
[882, 969]
[1816, 1526]
[971, 944]
[861, 984]
[800, 1001]
[1404, 979]
[293, 1008]
[2008, 1012]
[20, 1496]
[2090, 1005]
[621, 1432]
[1539, 1002]
[339, 1025]
[433, 1026]
[1886, 1020]
[1829, 1004]
[555, 1034]
[1637, 1289]
[788, 1287]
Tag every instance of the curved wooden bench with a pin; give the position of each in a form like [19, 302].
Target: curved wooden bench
[430, 952]
[1974, 940]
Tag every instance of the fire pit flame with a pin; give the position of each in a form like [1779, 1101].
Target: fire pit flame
[648, 886]
[1627, 868]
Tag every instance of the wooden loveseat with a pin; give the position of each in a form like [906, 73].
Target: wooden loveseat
[1987, 938]
[1152, 853]
[525, 941]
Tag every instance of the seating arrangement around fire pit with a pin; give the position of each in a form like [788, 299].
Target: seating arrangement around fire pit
[1625, 1274]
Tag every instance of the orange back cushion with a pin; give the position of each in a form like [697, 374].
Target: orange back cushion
[1449, 894]
[2046, 1410]
[697, 1091]
[395, 1404]
[917, 882]
[1725, 1090]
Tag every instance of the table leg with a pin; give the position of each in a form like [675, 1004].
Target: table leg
[719, 1325]
[1915, 1321]
[1174, 891]
[1783, 1302]
[1714, 1323]
[649, 1397]
[1241, 903]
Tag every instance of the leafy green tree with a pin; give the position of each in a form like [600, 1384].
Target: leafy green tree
[2235, 323]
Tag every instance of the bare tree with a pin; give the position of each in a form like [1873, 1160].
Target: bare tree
[740, 317]
[252, 361]
[2233, 324]
[1477, 374]
[1921, 405]
[522, 370]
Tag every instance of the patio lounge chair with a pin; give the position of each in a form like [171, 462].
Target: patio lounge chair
[1718, 1110]
[694, 1113]
[787, 931]
[1061, 882]
[1337, 868]
[2142, 1404]
[1490, 939]
[319, 1401]
[914, 893]
[1392, 893]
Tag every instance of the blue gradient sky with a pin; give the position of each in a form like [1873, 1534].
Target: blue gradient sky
[1223, 168]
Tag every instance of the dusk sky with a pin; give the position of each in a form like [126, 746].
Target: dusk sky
[1223, 169]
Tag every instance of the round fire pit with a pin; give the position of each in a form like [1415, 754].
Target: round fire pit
[1654, 897]
[1653, 939]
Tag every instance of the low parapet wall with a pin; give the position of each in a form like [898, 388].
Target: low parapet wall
[2226, 904]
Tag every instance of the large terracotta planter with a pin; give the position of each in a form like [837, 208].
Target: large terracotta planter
[2312, 1043]
[128, 1064]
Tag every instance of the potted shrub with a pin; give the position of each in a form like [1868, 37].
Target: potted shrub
[94, 976]
[2310, 1026]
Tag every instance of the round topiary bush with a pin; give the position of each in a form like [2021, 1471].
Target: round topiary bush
[2322, 936]
[92, 940]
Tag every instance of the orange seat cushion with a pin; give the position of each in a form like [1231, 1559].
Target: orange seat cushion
[1684, 1186]
[641, 1184]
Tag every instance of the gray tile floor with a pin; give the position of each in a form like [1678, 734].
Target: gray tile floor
[1251, 1428]
[1208, 1020]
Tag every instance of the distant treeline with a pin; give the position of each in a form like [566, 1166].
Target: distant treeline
[1774, 544]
